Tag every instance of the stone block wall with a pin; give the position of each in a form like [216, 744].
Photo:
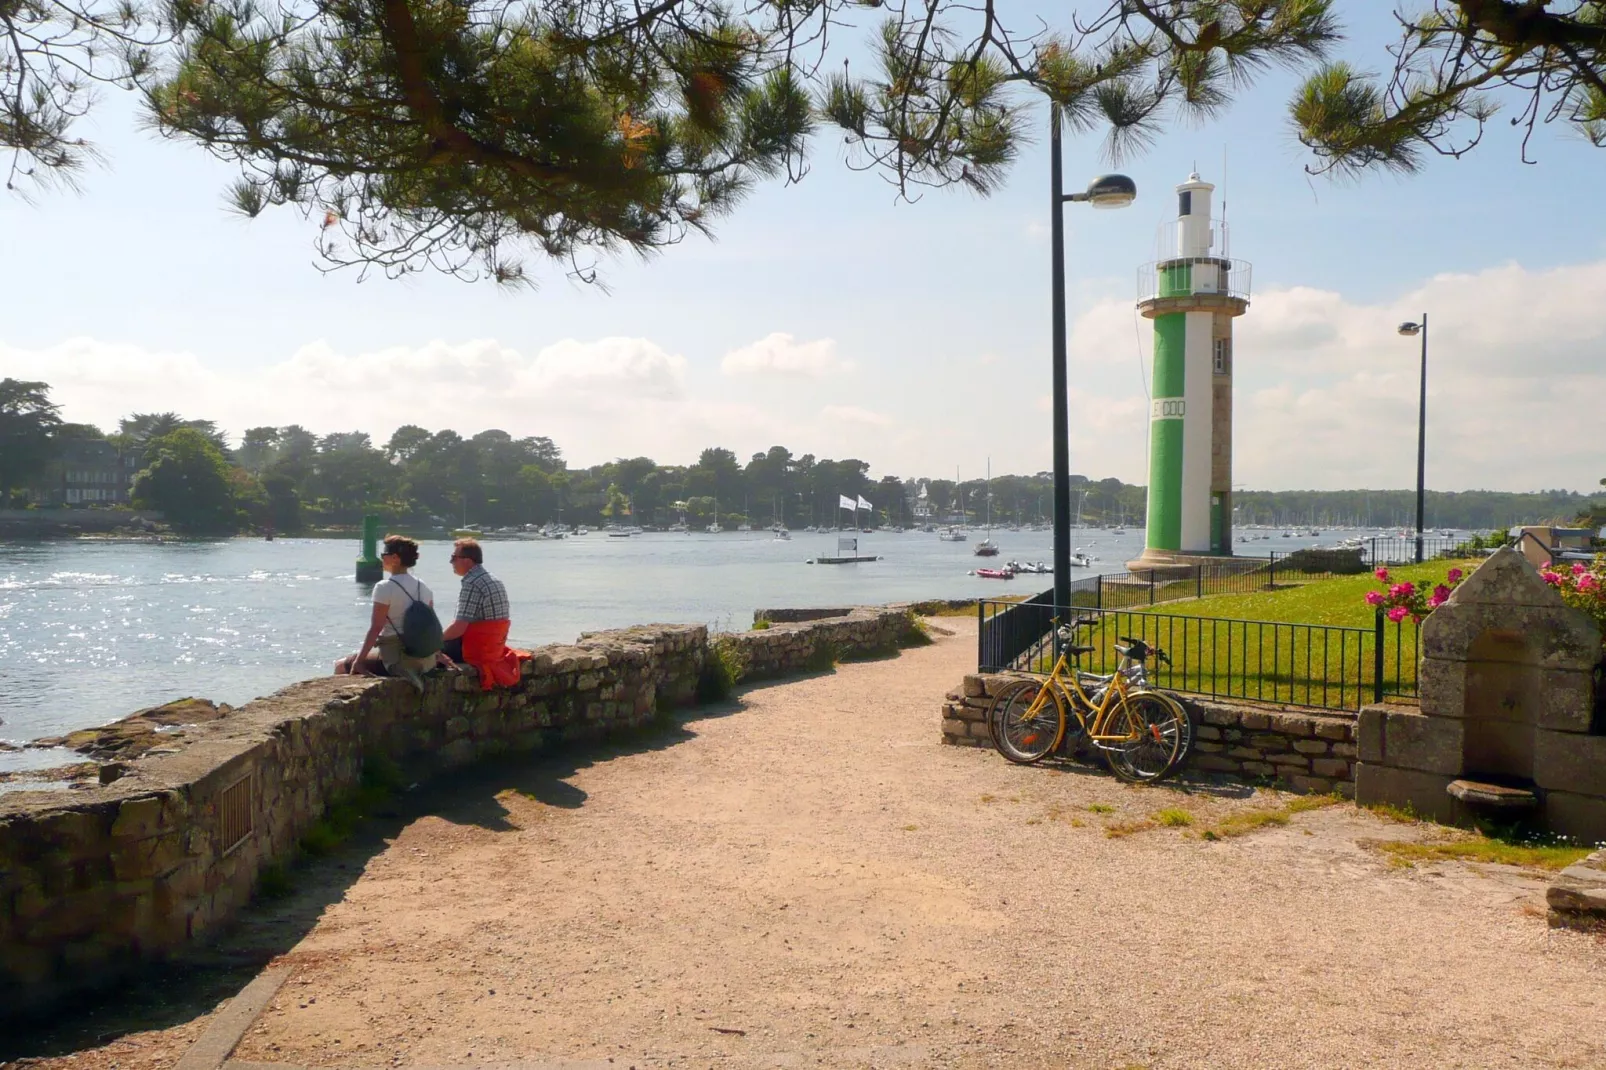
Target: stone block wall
[96, 880]
[1302, 750]
[792, 642]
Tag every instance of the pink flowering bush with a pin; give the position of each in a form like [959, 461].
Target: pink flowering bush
[1406, 599]
[1581, 586]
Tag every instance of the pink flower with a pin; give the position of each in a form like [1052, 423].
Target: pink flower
[1382, 574]
[1454, 575]
[1402, 590]
[1441, 592]
[1415, 619]
[1578, 568]
[1374, 598]
[1552, 578]
[1435, 601]
[1588, 582]
[1398, 613]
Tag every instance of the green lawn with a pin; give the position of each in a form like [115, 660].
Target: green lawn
[1218, 648]
[1339, 602]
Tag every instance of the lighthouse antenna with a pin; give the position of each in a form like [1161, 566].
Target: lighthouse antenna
[1223, 186]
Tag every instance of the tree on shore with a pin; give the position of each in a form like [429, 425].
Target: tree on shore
[141, 428]
[29, 421]
[464, 135]
[188, 480]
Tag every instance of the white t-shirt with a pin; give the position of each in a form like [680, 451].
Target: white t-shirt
[392, 592]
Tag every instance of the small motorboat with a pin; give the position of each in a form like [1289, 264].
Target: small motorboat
[782, 535]
[994, 573]
[1081, 560]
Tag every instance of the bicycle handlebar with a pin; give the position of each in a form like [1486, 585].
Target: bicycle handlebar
[1137, 649]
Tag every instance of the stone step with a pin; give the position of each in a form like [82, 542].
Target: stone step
[1492, 796]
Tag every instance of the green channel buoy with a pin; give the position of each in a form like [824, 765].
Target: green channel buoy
[369, 570]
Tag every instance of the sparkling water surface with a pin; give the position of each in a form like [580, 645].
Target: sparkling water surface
[91, 631]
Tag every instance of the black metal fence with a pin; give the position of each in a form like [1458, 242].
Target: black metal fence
[1401, 549]
[1235, 575]
[1322, 666]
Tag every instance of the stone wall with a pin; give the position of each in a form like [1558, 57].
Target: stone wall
[795, 640]
[99, 878]
[1302, 750]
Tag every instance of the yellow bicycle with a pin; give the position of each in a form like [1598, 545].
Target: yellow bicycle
[1141, 734]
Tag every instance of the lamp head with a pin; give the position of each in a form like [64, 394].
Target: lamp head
[1410, 329]
[1111, 191]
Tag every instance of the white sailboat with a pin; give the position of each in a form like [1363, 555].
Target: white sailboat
[713, 527]
[987, 547]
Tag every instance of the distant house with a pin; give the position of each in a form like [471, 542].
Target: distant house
[924, 511]
[1543, 545]
[89, 472]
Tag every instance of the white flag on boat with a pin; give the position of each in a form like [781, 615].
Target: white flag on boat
[846, 502]
[864, 504]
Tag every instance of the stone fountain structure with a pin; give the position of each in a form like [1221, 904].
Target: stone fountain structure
[1508, 725]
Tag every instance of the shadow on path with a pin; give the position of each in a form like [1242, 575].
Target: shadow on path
[189, 986]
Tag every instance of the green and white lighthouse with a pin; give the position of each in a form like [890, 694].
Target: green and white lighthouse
[1192, 291]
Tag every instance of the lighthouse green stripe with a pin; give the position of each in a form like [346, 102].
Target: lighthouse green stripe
[1170, 339]
[1165, 436]
[1176, 279]
[1165, 494]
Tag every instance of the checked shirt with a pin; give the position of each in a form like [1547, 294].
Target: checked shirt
[482, 597]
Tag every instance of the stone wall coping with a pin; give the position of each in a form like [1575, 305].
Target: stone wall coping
[837, 615]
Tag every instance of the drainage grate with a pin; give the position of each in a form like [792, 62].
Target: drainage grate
[235, 814]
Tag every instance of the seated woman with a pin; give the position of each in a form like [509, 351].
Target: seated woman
[391, 598]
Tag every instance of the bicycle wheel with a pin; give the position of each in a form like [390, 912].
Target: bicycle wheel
[1027, 722]
[1156, 727]
[1185, 744]
[999, 699]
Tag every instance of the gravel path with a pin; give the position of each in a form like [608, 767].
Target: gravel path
[809, 879]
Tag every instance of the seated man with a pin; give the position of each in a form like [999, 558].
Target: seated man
[478, 636]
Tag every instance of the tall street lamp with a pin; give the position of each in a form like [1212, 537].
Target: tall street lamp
[1106, 191]
[1409, 329]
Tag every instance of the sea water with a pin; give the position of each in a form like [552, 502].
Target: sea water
[91, 631]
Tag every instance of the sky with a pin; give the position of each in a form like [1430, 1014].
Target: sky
[832, 318]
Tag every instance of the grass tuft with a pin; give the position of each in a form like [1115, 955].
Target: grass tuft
[723, 669]
[823, 657]
[1128, 828]
[1400, 815]
[1246, 821]
[1173, 817]
[916, 632]
[273, 882]
[1548, 858]
[1100, 808]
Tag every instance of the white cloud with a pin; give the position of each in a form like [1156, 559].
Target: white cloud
[780, 354]
[1325, 391]
[852, 414]
[618, 395]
